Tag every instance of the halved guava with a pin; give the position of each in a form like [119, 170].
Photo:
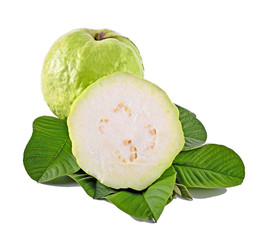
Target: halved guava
[125, 131]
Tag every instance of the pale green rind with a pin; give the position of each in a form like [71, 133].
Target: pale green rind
[165, 163]
[48, 154]
[107, 33]
[210, 166]
[76, 60]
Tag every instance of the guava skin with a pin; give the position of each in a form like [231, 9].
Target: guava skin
[78, 59]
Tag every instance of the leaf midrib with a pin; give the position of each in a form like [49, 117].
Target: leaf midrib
[54, 158]
[204, 169]
[198, 139]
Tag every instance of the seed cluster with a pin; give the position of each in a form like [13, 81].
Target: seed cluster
[101, 125]
[133, 150]
[126, 142]
[120, 157]
[123, 107]
[133, 153]
[152, 131]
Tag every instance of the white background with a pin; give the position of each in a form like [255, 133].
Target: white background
[209, 56]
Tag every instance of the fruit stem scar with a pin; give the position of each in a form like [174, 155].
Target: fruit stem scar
[99, 36]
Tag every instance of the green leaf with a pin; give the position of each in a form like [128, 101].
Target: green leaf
[48, 154]
[211, 166]
[182, 191]
[91, 185]
[171, 197]
[147, 204]
[87, 182]
[132, 203]
[157, 194]
[101, 191]
[194, 132]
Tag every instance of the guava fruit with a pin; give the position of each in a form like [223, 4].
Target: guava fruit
[125, 131]
[79, 58]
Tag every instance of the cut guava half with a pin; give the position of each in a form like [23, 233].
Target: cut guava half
[125, 131]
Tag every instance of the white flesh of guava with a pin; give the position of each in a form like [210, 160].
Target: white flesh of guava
[125, 131]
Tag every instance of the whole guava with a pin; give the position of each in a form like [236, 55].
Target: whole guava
[80, 57]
